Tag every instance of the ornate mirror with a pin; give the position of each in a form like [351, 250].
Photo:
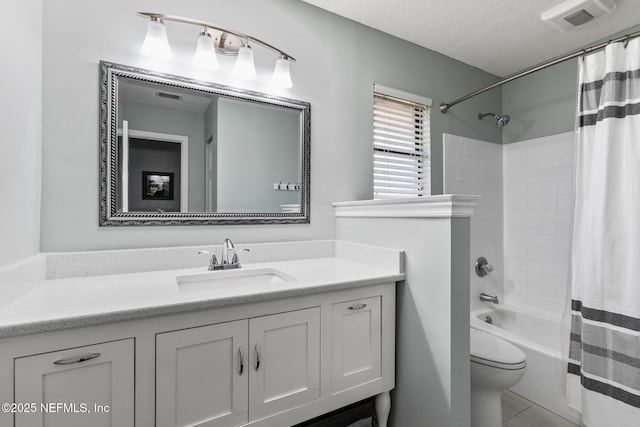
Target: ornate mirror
[174, 150]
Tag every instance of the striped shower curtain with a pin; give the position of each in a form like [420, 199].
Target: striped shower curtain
[604, 349]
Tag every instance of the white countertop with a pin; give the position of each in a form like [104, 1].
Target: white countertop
[81, 301]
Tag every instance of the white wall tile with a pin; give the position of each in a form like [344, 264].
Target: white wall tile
[477, 169]
[522, 224]
[546, 166]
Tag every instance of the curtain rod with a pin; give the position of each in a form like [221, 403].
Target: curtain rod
[445, 107]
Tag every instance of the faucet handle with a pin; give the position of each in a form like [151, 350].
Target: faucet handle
[483, 267]
[234, 259]
[214, 259]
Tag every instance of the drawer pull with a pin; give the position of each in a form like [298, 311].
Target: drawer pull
[241, 355]
[357, 307]
[257, 356]
[74, 360]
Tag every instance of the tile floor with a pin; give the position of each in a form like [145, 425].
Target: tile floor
[516, 412]
[520, 412]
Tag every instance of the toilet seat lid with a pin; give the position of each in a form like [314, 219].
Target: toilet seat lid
[493, 351]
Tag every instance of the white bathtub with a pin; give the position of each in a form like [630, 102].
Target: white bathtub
[539, 337]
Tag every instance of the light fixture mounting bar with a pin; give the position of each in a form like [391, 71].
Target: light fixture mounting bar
[244, 38]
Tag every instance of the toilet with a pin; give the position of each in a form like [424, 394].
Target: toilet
[496, 365]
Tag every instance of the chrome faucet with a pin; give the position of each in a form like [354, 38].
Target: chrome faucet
[489, 298]
[228, 249]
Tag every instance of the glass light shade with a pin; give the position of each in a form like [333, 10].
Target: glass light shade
[281, 75]
[205, 56]
[245, 68]
[155, 42]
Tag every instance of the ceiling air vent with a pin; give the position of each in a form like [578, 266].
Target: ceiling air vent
[168, 95]
[573, 13]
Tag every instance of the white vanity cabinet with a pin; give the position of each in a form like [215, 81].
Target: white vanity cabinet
[83, 386]
[269, 362]
[229, 373]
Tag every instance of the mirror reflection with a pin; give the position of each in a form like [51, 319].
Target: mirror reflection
[190, 151]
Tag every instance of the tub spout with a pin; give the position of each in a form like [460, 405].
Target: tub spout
[489, 298]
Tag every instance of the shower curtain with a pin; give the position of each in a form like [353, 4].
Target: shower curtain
[604, 349]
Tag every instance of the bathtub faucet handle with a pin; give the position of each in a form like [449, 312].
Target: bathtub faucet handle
[483, 267]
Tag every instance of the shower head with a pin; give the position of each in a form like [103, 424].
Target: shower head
[501, 121]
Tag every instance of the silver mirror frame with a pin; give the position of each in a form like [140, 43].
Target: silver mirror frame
[109, 216]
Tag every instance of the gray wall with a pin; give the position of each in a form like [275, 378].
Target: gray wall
[258, 145]
[338, 82]
[544, 103]
[21, 124]
[541, 104]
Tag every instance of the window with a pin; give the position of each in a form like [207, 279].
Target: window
[401, 150]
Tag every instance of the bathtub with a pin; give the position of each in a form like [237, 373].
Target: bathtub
[539, 337]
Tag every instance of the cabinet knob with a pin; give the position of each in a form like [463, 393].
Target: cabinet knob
[241, 356]
[73, 360]
[357, 307]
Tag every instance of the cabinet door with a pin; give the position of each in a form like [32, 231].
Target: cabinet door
[285, 361]
[355, 343]
[202, 376]
[83, 386]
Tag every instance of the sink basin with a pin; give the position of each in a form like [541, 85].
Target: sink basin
[230, 278]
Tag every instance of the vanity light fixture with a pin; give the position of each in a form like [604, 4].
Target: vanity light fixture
[245, 67]
[222, 41]
[205, 55]
[155, 42]
[281, 76]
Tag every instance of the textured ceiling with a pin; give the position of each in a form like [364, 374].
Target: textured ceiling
[498, 36]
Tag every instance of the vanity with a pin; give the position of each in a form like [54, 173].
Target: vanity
[268, 344]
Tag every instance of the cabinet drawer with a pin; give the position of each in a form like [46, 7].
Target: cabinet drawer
[355, 343]
[82, 386]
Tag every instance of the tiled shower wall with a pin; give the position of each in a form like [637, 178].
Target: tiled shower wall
[538, 176]
[522, 224]
[475, 167]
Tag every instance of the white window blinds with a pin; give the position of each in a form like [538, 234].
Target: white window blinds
[401, 150]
